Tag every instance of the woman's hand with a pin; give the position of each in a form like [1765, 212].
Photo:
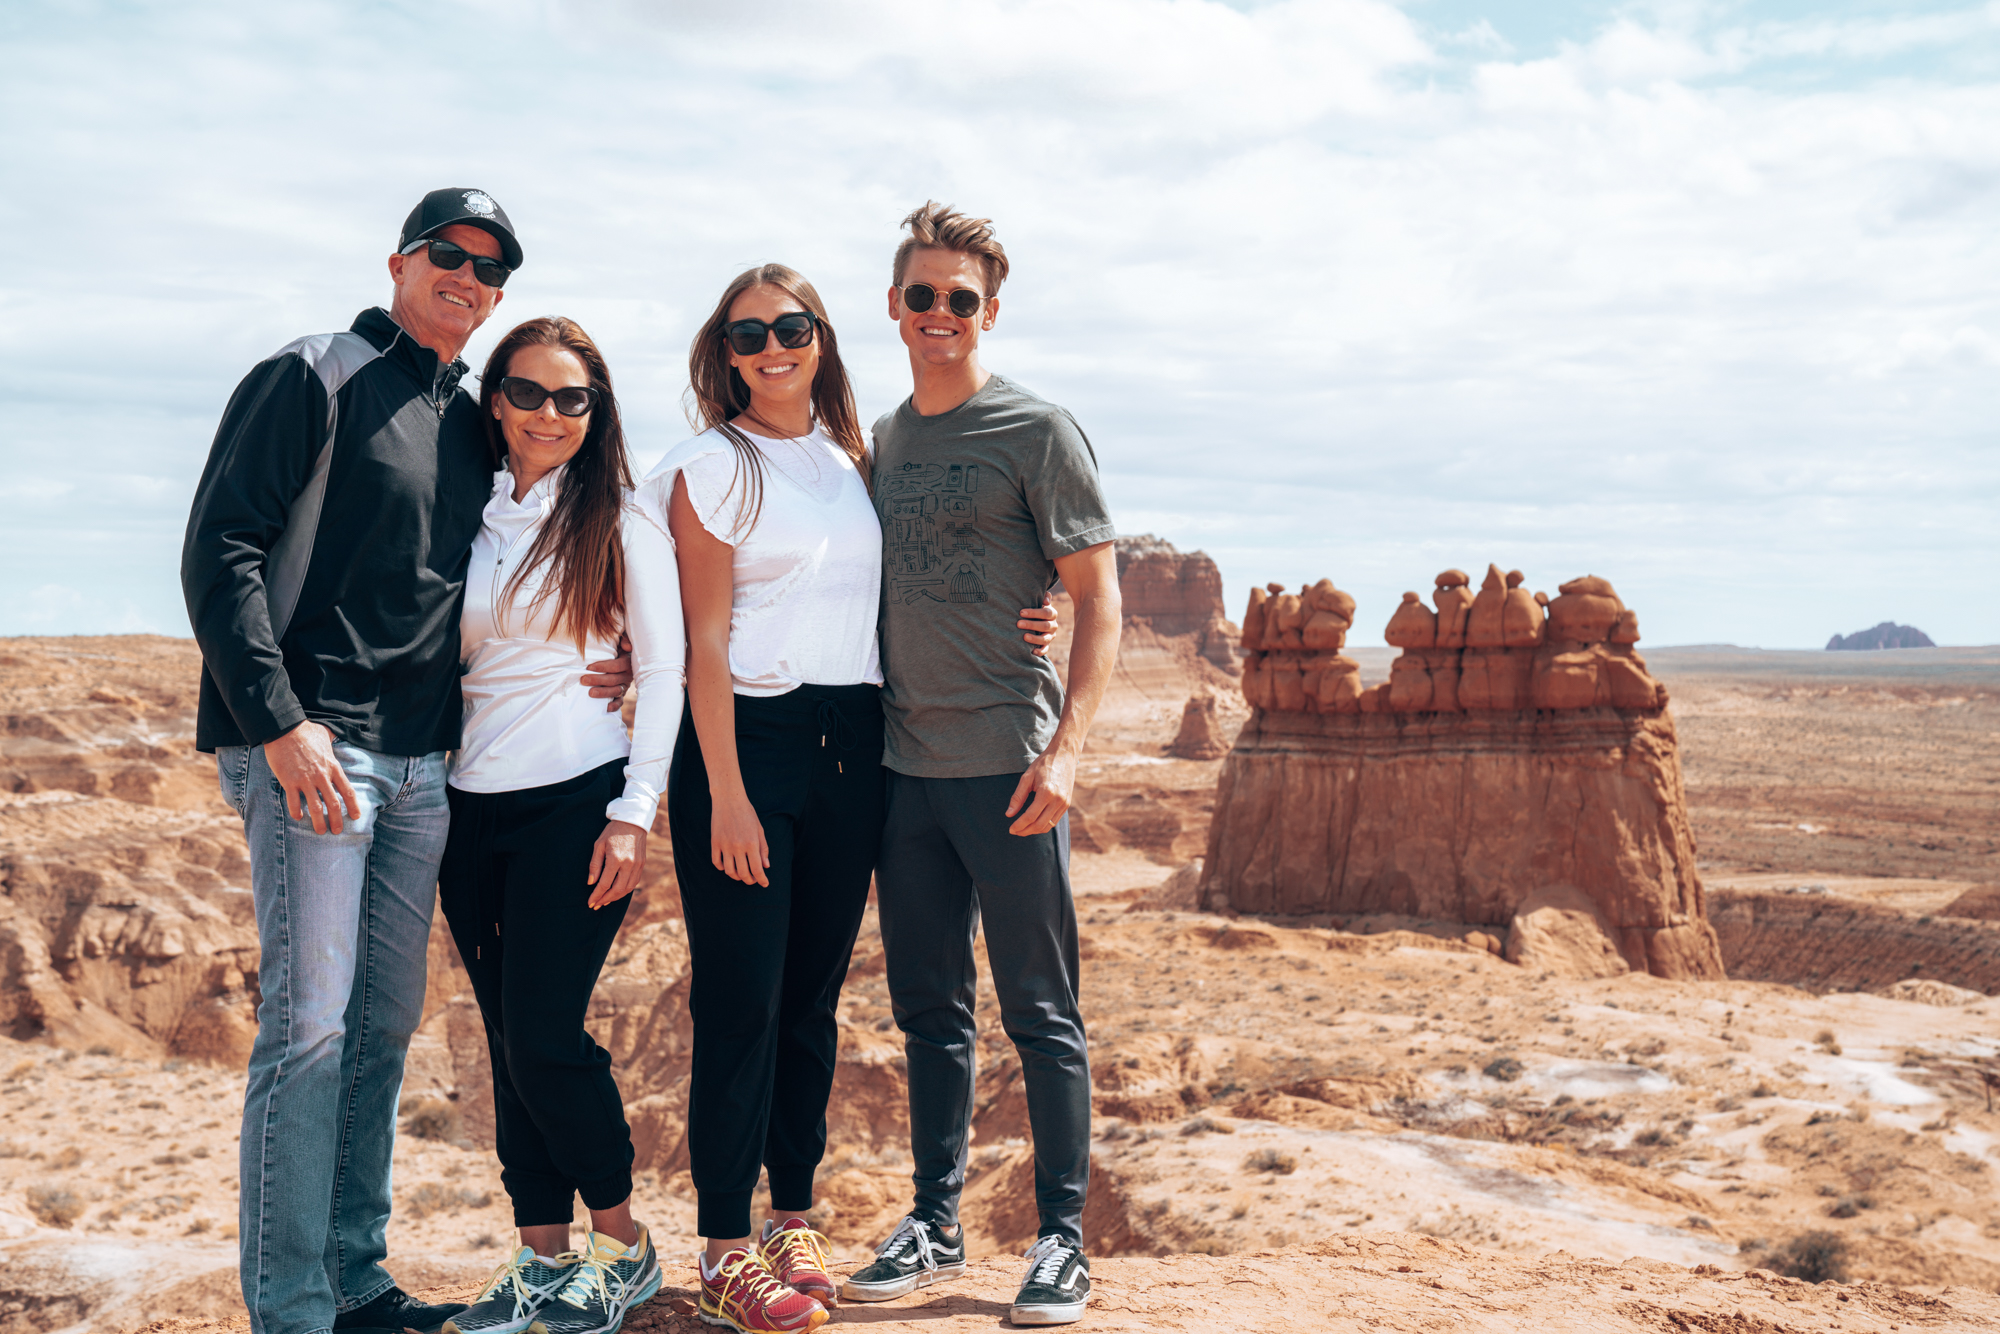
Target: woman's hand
[616, 862]
[736, 842]
[1040, 622]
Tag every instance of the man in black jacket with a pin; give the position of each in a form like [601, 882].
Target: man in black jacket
[323, 568]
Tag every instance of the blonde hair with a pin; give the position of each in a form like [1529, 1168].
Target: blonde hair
[938, 226]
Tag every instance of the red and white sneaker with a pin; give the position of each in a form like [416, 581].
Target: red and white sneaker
[797, 1255]
[747, 1297]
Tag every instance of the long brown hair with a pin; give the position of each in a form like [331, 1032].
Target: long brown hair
[580, 541]
[717, 392]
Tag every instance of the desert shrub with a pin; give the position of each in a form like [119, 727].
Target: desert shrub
[435, 1197]
[1850, 1205]
[1275, 1161]
[1827, 1042]
[1726, 1104]
[1813, 1256]
[1115, 1129]
[54, 1206]
[1763, 1090]
[1828, 1189]
[433, 1118]
[1505, 1069]
[1205, 1125]
[99, 1050]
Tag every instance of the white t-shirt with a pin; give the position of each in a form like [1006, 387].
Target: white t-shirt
[808, 573]
[529, 719]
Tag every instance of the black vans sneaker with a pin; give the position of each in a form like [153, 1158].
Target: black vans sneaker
[397, 1310]
[1057, 1285]
[916, 1255]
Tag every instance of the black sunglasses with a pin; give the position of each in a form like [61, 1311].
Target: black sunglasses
[445, 255]
[528, 396]
[964, 302]
[794, 329]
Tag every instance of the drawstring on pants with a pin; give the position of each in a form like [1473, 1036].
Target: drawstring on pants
[833, 723]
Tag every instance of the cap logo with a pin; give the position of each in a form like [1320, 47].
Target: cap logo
[478, 201]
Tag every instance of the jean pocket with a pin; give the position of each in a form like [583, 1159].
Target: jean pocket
[232, 775]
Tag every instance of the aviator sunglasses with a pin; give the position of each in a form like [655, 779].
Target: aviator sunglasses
[528, 396]
[794, 329]
[445, 255]
[964, 302]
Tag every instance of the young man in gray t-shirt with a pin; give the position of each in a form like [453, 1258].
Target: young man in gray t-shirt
[987, 495]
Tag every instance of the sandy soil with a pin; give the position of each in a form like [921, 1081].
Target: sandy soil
[1291, 1111]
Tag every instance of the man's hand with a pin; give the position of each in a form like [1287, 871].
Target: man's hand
[607, 680]
[1040, 623]
[616, 862]
[303, 762]
[1049, 780]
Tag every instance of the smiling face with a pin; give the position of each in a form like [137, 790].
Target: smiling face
[937, 337]
[441, 308]
[780, 378]
[543, 439]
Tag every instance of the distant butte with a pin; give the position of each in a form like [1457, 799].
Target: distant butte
[1886, 635]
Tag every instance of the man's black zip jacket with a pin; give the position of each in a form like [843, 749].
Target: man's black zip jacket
[371, 650]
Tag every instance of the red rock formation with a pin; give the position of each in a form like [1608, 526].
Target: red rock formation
[1826, 943]
[1200, 737]
[1466, 817]
[1178, 593]
[1525, 776]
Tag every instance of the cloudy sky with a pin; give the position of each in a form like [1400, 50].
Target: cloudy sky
[1702, 297]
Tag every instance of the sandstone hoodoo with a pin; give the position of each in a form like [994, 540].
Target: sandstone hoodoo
[1518, 771]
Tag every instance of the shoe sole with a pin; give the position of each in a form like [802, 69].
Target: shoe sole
[505, 1327]
[813, 1322]
[1048, 1313]
[825, 1294]
[882, 1292]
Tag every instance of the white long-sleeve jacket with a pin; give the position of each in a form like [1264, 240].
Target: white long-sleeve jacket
[529, 719]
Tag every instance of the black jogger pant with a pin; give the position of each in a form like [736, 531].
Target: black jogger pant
[947, 861]
[769, 962]
[513, 889]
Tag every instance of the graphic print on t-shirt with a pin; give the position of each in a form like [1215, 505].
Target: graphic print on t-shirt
[932, 548]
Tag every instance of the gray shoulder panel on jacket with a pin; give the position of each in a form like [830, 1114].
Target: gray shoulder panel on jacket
[335, 358]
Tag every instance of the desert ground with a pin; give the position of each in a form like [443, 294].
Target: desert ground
[1347, 1124]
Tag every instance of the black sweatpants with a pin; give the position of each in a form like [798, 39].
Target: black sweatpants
[514, 894]
[947, 861]
[769, 962]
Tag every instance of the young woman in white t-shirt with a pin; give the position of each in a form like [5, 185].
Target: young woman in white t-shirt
[775, 800]
[549, 817]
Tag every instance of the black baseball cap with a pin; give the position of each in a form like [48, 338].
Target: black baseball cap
[459, 204]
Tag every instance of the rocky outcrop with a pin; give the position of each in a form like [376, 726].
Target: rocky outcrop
[1825, 943]
[1518, 770]
[1177, 593]
[125, 921]
[1201, 732]
[1886, 635]
[1981, 902]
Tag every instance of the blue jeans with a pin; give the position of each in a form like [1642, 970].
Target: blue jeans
[343, 921]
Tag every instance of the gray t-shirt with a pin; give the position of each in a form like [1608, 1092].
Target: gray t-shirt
[976, 504]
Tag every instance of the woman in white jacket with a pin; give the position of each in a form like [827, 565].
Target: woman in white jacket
[548, 818]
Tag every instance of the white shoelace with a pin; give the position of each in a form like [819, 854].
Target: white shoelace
[1045, 1259]
[911, 1231]
[514, 1275]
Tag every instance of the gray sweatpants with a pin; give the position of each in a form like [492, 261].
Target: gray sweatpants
[947, 859]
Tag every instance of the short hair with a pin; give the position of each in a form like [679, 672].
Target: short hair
[938, 226]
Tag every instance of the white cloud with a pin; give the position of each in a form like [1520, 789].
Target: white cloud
[1706, 304]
